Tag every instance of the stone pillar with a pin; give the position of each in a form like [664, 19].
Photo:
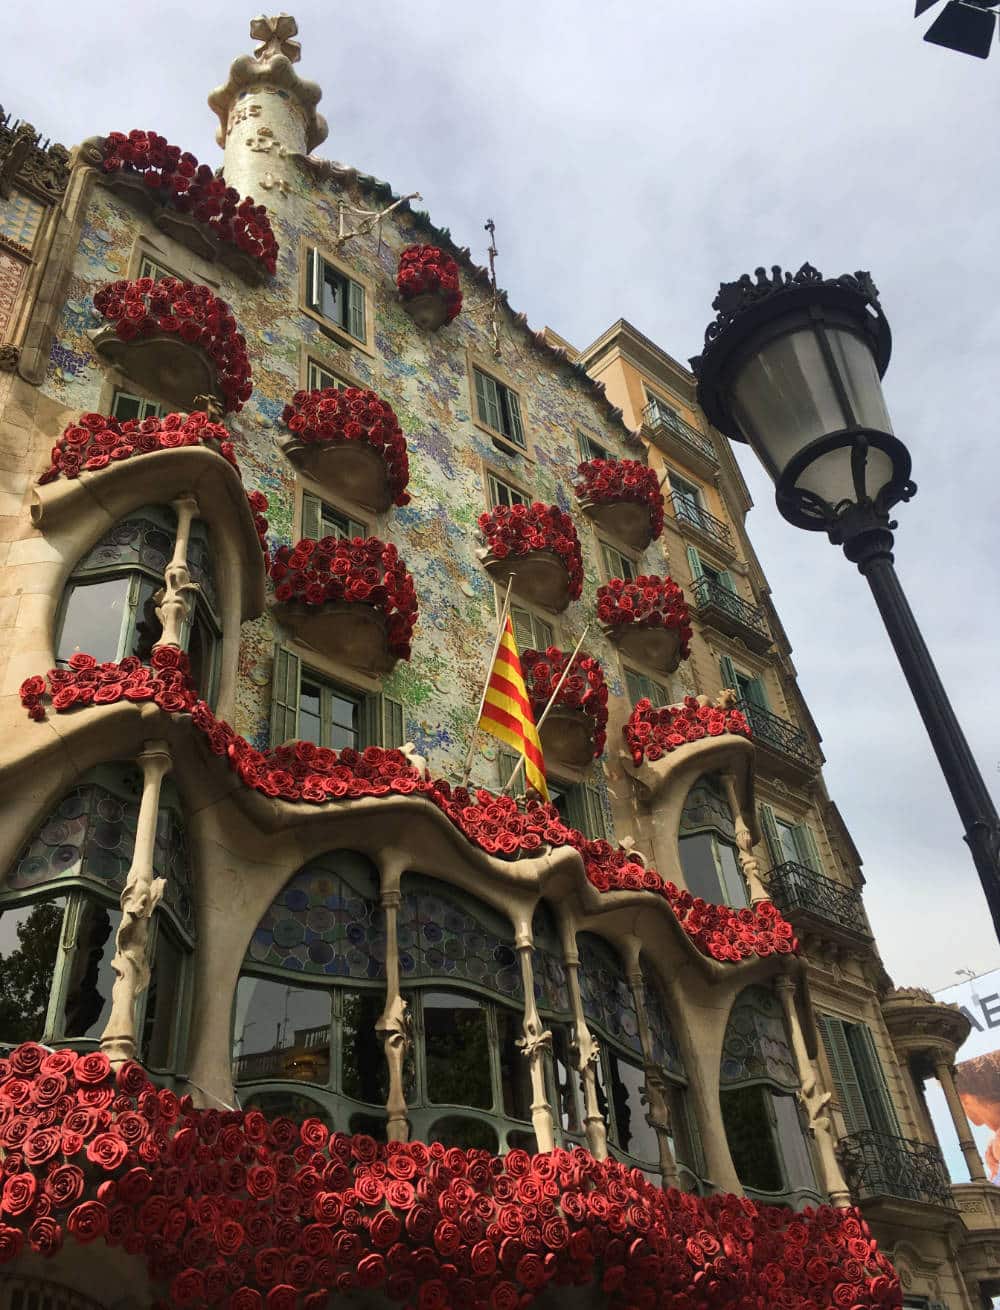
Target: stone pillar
[534, 1044]
[586, 1054]
[945, 1075]
[744, 843]
[658, 1114]
[814, 1100]
[140, 896]
[267, 114]
[395, 1027]
[173, 608]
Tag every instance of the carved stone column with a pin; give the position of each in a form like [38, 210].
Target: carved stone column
[658, 1114]
[814, 1100]
[945, 1075]
[534, 1044]
[744, 843]
[172, 605]
[395, 1027]
[586, 1054]
[139, 899]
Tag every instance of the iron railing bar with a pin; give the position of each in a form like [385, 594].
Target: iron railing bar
[709, 592]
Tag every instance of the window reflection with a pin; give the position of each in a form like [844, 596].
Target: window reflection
[515, 1070]
[92, 619]
[456, 1050]
[635, 1134]
[745, 1114]
[162, 1002]
[364, 1075]
[469, 1134]
[566, 1080]
[281, 1031]
[88, 990]
[29, 947]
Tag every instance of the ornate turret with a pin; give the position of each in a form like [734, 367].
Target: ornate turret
[266, 111]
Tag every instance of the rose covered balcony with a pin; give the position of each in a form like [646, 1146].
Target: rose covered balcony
[97, 440]
[240, 1210]
[647, 619]
[353, 600]
[623, 497]
[176, 340]
[575, 732]
[350, 441]
[429, 287]
[188, 202]
[539, 544]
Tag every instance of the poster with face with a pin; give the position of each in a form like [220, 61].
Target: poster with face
[977, 1077]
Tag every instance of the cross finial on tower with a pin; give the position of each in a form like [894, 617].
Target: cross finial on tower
[276, 32]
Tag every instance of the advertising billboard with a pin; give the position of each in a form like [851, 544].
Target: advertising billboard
[977, 1077]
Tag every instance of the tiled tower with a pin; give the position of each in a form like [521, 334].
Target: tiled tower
[299, 1007]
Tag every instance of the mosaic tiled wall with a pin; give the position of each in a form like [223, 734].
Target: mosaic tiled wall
[424, 376]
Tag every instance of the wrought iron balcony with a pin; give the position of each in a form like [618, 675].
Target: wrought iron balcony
[800, 891]
[876, 1164]
[729, 612]
[662, 419]
[788, 745]
[685, 511]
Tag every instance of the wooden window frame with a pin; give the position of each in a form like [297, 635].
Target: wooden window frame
[583, 439]
[305, 486]
[629, 670]
[153, 408]
[329, 328]
[305, 502]
[491, 369]
[535, 617]
[374, 704]
[492, 474]
[628, 558]
[311, 354]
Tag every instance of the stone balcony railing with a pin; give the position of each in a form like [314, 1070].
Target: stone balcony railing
[880, 1165]
[801, 893]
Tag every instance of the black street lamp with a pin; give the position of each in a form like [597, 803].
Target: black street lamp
[792, 365]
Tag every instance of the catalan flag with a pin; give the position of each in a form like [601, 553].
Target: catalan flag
[507, 710]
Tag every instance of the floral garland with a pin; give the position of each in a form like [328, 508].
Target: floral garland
[237, 1210]
[517, 530]
[426, 269]
[605, 481]
[650, 602]
[96, 440]
[258, 508]
[144, 307]
[584, 689]
[498, 825]
[362, 571]
[350, 414]
[180, 181]
[651, 733]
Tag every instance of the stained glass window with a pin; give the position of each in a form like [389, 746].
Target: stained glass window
[608, 1002]
[20, 218]
[446, 934]
[326, 920]
[707, 806]
[145, 538]
[551, 990]
[755, 1048]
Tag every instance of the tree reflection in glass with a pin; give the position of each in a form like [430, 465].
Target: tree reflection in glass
[88, 991]
[515, 1069]
[364, 1074]
[457, 1051]
[747, 1119]
[635, 1134]
[566, 1079]
[29, 947]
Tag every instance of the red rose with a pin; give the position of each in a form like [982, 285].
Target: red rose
[19, 1193]
[45, 1236]
[11, 1242]
[87, 1221]
[94, 1067]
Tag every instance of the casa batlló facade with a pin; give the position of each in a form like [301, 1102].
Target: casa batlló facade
[294, 1010]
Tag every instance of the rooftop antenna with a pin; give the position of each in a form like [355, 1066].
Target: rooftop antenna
[491, 228]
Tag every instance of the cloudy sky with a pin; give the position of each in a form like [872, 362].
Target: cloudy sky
[633, 155]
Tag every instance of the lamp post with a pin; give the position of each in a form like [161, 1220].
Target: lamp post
[792, 365]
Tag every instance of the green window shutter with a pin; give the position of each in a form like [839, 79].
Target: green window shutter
[514, 410]
[728, 670]
[356, 309]
[285, 696]
[845, 1079]
[770, 830]
[356, 529]
[314, 279]
[523, 629]
[311, 517]
[726, 580]
[636, 685]
[506, 763]
[756, 693]
[874, 1088]
[544, 636]
[805, 844]
[487, 400]
[594, 826]
[694, 563]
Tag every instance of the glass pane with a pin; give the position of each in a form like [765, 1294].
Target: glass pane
[751, 1137]
[607, 998]
[88, 992]
[148, 628]
[445, 934]
[162, 1000]
[125, 406]
[567, 1082]
[456, 1050]
[281, 1031]
[794, 1147]
[288, 1105]
[333, 523]
[333, 296]
[518, 1139]
[786, 836]
[364, 1074]
[756, 1043]
[201, 650]
[732, 876]
[701, 873]
[372, 1124]
[515, 1072]
[29, 947]
[635, 1135]
[92, 619]
[310, 716]
[343, 721]
[469, 1134]
[682, 1141]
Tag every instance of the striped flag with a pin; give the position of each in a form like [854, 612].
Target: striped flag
[507, 710]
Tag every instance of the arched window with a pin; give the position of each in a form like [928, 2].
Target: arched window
[471, 1084]
[684, 1142]
[59, 912]
[109, 610]
[309, 995]
[707, 842]
[758, 1085]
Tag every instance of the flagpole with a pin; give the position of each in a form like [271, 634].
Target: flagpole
[501, 621]
[552, 700]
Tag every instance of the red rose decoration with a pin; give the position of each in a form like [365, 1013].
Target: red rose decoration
[610, 481]
[519, 530]
[426, 270]
[665, 729]
[650, 602]
[347, 414]
[584, 689]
